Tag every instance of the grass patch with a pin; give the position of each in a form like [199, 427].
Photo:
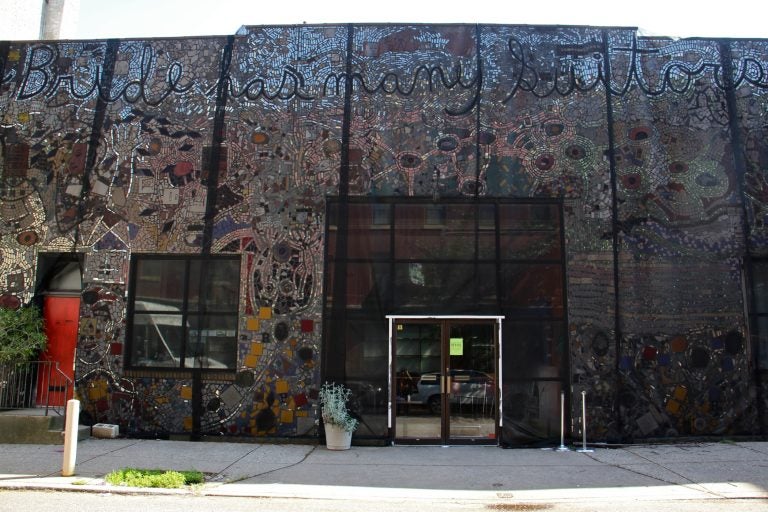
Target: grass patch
[167, 479]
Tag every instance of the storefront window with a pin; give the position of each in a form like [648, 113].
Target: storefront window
[450, 257]
[184, 312]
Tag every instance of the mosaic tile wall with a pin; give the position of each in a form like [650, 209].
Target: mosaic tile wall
[110, 148]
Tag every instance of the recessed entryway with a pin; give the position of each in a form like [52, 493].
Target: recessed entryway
[445, 376]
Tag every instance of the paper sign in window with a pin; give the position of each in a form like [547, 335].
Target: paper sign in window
[457, 346]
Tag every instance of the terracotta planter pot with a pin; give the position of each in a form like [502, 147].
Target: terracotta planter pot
[337, 438]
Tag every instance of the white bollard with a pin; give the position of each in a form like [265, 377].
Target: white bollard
[562, 447]
[584, 448]
[70, 437]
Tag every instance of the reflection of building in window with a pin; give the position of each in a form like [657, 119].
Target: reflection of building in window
[416, 274]
[184, 312]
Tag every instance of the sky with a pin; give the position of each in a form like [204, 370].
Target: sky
[100, 19]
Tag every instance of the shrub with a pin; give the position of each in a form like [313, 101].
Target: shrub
[22, 334]
[132, 477]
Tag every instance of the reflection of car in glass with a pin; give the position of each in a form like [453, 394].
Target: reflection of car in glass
[158, 336]
[367, 396]
[467, 387]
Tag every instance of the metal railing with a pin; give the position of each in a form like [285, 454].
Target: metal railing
[35, 385]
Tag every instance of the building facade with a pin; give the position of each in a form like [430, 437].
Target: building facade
[464, 223]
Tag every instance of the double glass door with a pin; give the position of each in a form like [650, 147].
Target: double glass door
[445, 381]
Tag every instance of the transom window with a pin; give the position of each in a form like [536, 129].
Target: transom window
[183, 312]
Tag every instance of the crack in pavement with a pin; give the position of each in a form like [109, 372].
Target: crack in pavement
[58, 472]
[247, 477]
[691, 484]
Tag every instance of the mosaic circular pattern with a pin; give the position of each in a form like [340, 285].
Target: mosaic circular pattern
[27, 238]
[600, 344]
[640, 133]
[678, 167]
[469, 188]
[554, 129]
[575, 152]
[155, 145]
[545, 162]
[9, 301]
[409, 161]
[306, 353]
[259, 138]
[631, 181]
[281, 331]
[331, 147]
[282, 252]
[447, 143]
[286, 287]
[265, 420]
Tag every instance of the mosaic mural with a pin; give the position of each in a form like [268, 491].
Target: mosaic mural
[657, 148]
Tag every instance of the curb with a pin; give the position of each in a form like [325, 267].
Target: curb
[346, 493]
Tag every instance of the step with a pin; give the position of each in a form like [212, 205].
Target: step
[27, 429]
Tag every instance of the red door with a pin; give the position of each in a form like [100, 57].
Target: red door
[62, 315]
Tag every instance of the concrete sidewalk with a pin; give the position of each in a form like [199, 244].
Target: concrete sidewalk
[640, 472]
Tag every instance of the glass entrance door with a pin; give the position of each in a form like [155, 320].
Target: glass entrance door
[445, 381]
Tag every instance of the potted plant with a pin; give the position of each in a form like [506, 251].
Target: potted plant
[339, 424]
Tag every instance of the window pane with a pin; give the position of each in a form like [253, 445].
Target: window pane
[529, 231]
[367, 285]
[367, 346]
[367, 362]
[535, 350]
[449, 287]
[165, 331]
[160, 281]
[442, 231]
[531, 412]
[369, 231]
[532, 289]
[157, 338]
[212, 342]
[193, 292]
[222, 281]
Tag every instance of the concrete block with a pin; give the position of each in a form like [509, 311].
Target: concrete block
[105, 431]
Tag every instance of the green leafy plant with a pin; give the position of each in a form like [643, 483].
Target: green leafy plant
[333, 405]
[22, 334]
[167, 479]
